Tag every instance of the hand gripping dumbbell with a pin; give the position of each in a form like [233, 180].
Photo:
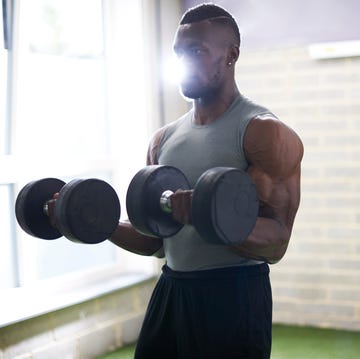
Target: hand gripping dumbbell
[86, 210]
[224, 203]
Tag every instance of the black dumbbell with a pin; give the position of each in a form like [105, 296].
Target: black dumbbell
[224, 203]
[86, 210]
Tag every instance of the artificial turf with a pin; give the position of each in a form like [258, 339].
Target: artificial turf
[295, 343]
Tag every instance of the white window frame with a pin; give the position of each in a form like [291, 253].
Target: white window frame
[129, 268]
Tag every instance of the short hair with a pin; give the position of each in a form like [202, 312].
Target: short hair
[213, 13]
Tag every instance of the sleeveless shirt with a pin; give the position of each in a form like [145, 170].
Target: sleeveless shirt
[194, 149]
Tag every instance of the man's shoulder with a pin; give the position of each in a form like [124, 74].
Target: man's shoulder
[270, 126]
[251, 107]
[272, 145]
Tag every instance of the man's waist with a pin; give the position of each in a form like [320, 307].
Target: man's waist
[254, 269]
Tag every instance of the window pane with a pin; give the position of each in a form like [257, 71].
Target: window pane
[60, 91]
[3, 97]
[60, 111]
[8, 267]
[61, 256]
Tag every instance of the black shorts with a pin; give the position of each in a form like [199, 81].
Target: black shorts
[218, 313]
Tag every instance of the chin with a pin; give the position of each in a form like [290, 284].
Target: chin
[187, 99]
[189, 93]
[196, 95]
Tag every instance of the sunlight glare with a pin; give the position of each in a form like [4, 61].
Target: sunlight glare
[173, 70]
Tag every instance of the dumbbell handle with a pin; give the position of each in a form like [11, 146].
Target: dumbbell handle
[165, 202]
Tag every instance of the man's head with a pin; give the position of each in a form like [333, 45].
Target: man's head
[207, 42]
[212, 13]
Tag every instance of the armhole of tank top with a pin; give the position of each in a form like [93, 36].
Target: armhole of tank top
[241, 131]
[168, 130]
[162, 140]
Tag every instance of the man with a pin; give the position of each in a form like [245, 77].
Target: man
[214, 301]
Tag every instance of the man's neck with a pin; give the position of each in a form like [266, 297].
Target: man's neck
[208, 110]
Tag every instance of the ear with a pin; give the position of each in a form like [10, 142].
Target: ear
[233, 54]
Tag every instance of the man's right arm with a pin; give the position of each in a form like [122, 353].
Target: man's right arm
[125, 235]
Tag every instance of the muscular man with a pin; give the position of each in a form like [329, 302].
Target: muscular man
[214, 301]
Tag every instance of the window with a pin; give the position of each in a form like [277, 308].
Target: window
[74, 110]
[8, 266]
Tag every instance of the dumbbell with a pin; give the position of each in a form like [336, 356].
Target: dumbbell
[86, 210]
[224, 203]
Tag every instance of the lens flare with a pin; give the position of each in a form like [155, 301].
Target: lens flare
[173, 70]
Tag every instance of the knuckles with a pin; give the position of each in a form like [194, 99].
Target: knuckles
[181, 202]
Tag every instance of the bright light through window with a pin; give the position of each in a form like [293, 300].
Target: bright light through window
[76, 112]
[61, 117]
[173, 70]
[3, 97]
[60, 93]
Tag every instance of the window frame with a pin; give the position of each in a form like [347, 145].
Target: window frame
[129, 268]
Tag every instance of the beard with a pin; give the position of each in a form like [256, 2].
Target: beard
[201, 85]
[195, 90]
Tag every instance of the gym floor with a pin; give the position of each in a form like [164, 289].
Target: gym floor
[296, 343]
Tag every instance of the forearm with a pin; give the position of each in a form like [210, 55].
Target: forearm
[126, 237]
[268, 241]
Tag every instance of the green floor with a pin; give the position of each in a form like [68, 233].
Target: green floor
[296, 343]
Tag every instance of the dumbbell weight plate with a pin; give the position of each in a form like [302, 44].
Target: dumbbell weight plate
[29, 207]
[87, 211]
[225, 205]
[143, 200]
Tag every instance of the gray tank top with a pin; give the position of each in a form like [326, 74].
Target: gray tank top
[194, 149]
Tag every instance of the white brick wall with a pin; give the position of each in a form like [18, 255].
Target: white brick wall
[318, 281]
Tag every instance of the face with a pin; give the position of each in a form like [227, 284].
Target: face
[202, 50]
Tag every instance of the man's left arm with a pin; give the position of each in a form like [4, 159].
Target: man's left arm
[274, 153]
